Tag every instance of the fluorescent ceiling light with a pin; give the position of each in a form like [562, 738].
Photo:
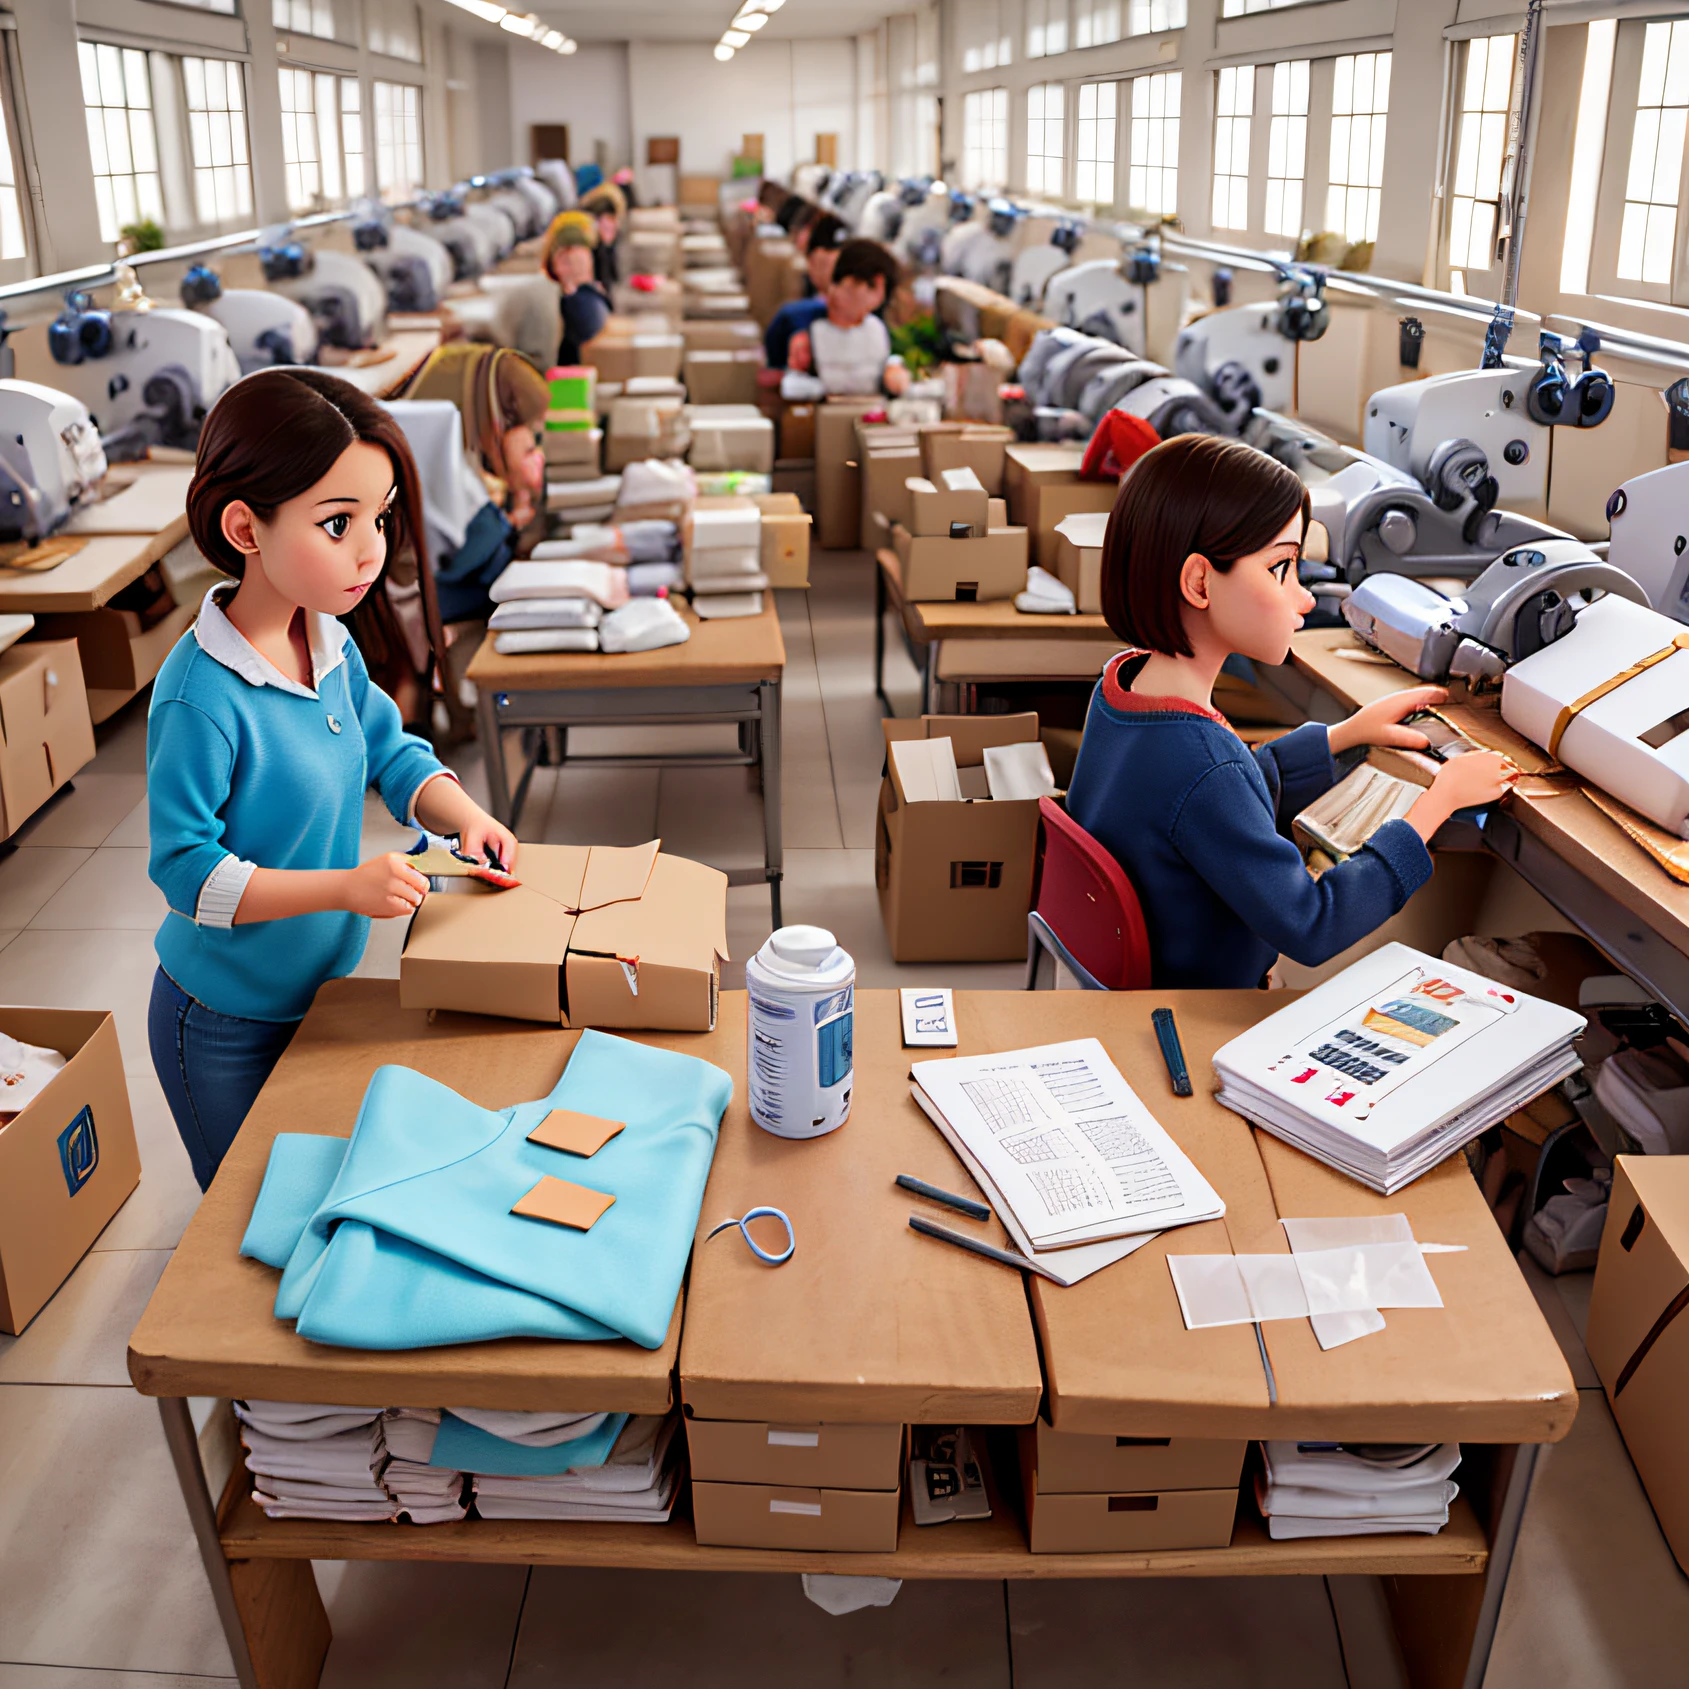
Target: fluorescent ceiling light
[486, 10]
[734, 38]
[552, 38]
[723, 51]
[749, 20]
[569, 44]
[528, 26]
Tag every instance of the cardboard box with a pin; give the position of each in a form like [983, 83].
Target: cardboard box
[730, 437]
[621, 357]
[1128, 1522]
[1079, 558]
[955, 879]
[978, 446]
[769, 1516]
[1042, 486]
[592, 937]
[838, 487]
[573, 448]
[642, 428]
[990, 565]
[67, 1162]
[732, 336]
[1638, 1336]
[118, 654]
[829, 1456]
[45, 731]
[887, 454]
[663, 295]
[934, 509]
[723, 378]
[1070, 1464]
[785, 539]
[797, 431]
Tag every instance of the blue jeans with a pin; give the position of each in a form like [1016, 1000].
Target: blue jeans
[212, 1067]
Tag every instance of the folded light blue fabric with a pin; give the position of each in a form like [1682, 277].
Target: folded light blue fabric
[462, 1447]
[411, 1242]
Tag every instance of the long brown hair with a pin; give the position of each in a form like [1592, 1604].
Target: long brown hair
[1195, 494]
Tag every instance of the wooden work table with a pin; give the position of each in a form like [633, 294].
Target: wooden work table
[870, 1321]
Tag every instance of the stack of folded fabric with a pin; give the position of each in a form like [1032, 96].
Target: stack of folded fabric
[648, 549]
[1356, 1489]
[310, 1461]
[656, 488]
[635, 1483]
[551, 603]
[724, 560]
[425, 1494]
[587, 500]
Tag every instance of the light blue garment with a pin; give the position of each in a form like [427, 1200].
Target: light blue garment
[462, 1447]
[412, 1244]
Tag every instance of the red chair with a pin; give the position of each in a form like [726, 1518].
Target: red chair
[1086, 914]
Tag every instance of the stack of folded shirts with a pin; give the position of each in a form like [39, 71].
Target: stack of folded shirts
[636, 1483]
[656, 487]
[724, 560]
[1356, 1489]
[426, 1494]
[581, 501]
[551, 603]
[311, 1461]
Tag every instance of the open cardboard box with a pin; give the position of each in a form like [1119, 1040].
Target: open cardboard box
[1079, 558]
[979, 446]
[593, 936]
[955, 878]
[45, 731]
[936, 568]
[67, 1162]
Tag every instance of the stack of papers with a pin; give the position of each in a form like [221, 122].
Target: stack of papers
[1078, 1169]
[1356, 1489]
[637, 1484]
[1395, 1063]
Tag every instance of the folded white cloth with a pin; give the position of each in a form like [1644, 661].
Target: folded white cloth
[718, 584]
[599, 489]
[522, 642]
[1366, 1489]
[727, 606]
[26, 1070]
[643, 625]
[657, 481]
[409, 1434]
[561, 578]
[724, 562]
[636, 1484]
[732, 527]
[353, 1512]
[646, 580]
[532, 1430]
[546, 613]
[304, 1421]
[1045, 595]
[1283, 1527]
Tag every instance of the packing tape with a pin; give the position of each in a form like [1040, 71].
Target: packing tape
[1246, 1289]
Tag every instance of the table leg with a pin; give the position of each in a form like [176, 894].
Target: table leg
[768, 740]
[492, 754]
[880, 638]
[272, 1615]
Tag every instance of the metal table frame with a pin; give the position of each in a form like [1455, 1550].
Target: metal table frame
[753, 706]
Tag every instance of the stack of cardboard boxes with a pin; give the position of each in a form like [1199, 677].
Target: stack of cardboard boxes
[624, 351]
[1042, 487]
[641, 427]
[958, 546]
[573, 441]
[723, 375]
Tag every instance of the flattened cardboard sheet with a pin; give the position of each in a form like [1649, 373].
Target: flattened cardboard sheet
[563, 1203]
[575, 1133]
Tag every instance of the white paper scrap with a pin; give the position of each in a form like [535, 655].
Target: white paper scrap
[929, 1017]
[1018, 771]
[1241, 1289]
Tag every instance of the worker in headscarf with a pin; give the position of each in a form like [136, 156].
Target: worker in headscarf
[607, 207]
[567, 257]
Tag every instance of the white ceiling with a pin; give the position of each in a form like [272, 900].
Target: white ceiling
[704, 20]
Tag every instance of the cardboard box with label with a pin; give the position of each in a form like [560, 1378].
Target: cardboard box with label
[953, 866]
[978, 446]
[778, 1516]
[1638, 1336]
[45, 731]
[592, 937]
[797, 431]
[1079, 558]
[830, 1456]
[1073, 1463]
[726, 437]
[67, 1162]
[785, 539]
[1042, 486]
[968, 571]
[722, 377]
[838, 485]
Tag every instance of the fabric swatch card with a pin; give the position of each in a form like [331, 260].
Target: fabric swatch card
[564, 1204]
[574, 1133]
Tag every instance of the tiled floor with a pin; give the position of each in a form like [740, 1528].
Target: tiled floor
[100, 1583]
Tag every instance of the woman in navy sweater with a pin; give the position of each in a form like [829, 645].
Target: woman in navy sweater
[1199, 563]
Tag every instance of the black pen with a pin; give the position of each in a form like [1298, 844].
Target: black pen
[977, 1247]
[962, 1204]
[1167, 1036]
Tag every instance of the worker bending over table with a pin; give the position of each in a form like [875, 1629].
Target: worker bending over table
[265, 730]
[1200, 562]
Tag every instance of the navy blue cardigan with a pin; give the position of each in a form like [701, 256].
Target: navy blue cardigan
[1199, 825]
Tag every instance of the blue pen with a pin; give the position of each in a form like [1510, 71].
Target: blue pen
[1167, 1036]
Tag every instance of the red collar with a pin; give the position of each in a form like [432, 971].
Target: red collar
[1118, 695]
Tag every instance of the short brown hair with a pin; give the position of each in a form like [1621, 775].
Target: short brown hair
[865, 260]
[1218, 499]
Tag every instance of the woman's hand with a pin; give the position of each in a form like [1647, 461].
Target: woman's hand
[484, 838]
[384, 887]
[443, 806]
[1466, 782]
[1380, 722]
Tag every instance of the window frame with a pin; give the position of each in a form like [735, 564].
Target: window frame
[971, 182]
[1248, 79]
[1053, 13]
[94, 44]
[24, 171]
[1175, 81]
[1333, 118]
[370, 125]
[1111, 163]
[1063, 122]
[179, 67]
[1510, 126]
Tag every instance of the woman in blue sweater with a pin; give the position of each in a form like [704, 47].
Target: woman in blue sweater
[263, 734]
[1199, 563]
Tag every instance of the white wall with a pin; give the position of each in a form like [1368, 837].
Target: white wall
[588, 90]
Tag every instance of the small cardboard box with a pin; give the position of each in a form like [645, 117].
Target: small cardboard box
[724, 377]
[887, 454]
[770, 1516]
[1042, 485]
[830, 1456]
[785, 539]
[838, 484]
[797, 431]
[968, 571]
[643, 428]
[735, 336]
[1638, 1334]
[955, 879]
[573, 448]
[978, 446]
[1069, 1463]
[730, 437]
[933, 509]
[1128, 1521]
[1079, 558]
[67, 1162]
[621, 357]
[592, 937]
[118, 654]
[45, 731]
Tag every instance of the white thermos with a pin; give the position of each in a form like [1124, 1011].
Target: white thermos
[802, 990]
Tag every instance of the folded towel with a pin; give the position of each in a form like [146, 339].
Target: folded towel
[521, 642]
[725, 606]
[561, 578]
[644, 625]
[1045, 595]
[546, 613]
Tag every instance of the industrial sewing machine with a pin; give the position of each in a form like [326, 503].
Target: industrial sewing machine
[51, 459]
[1245, 355]
[263, 327]
[346, 301]
[415, 268]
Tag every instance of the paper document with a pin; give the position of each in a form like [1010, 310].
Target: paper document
[1065, 1144]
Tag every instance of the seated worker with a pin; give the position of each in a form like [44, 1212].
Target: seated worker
[606, 207]
[1199, 562]
[849, 348]
[567, 258]
[820, 244]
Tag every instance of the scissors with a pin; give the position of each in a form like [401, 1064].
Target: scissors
[744, 1225]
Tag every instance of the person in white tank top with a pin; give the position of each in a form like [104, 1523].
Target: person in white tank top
[849, 349]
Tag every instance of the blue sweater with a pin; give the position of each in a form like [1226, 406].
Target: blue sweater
[276, 777]
[794, 317]
[1199, 825]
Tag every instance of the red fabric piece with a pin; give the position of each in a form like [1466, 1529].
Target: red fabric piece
[1118, 443]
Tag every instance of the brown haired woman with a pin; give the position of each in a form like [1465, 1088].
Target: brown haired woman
[1199, 563]
[265, 730]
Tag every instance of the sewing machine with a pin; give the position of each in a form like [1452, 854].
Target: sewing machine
[1649, 520]
[560, 179]
[263, 327]
[1110, 297]
[920, 236]
[341, 292]
[1034, 265]
[848, 195]
[984, 250]
[495, 224]
[51, 459]
[1245, 355]
[542, 201]
[147, 377]
[415, 268]
[470, 243]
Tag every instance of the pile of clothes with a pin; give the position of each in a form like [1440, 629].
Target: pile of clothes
[1314, 1489]
[604, 589]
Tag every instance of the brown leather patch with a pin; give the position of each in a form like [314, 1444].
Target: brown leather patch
[564, 1204]
[575, 1134]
